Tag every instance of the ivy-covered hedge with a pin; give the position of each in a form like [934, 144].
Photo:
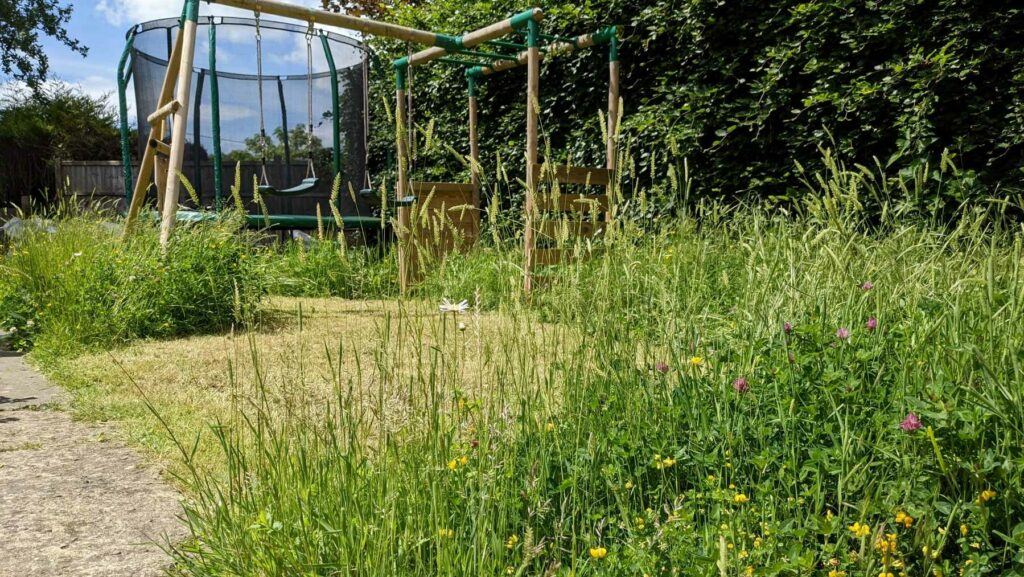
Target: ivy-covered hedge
[748, 89]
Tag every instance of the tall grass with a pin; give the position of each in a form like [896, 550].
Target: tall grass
[71, 283]
[725, 397]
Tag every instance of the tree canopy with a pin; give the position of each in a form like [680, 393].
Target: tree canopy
[21, 24]
[745, 90]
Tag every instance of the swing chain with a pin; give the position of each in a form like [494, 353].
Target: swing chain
[310, 169]
[259, 84]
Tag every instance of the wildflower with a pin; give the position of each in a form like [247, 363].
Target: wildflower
[464, 460]
[696, 361]
[661, 367]
[749, 571]
[885, 573]
[628, 485]
[462, 327]
[744, 554]
[511, 541]
[711, 478]
[740, 498]
[598, 552]
[757, 542]
[964, 529]
[986, 496]
[843, 333]
[872, 324]
[550, 427]
[910, 423]
[445, 533]
[787, 328]
[836, 573]
[868, 285]
[860, 529]
[975, 545]
[448, 306]
[665, 463]
[453, 464]
[741, 385]
[904, 519]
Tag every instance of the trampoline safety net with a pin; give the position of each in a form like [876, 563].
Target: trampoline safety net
[229, 83]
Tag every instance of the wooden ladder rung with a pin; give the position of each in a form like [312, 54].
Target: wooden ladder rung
[552, 229]
[161, 147]
[163, 112]
[580, 203]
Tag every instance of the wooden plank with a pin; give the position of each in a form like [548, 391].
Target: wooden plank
[579, 203]
[551, 256]
[422, 189]
[573, 175]
[572, 228]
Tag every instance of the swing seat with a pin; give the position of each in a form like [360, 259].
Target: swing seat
[303, 187]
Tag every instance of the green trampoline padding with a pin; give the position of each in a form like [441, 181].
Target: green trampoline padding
[288, 221]
[303, 187]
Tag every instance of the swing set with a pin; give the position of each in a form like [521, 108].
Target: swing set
[481, 53]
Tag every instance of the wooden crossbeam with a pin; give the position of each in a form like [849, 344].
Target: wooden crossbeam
[574, 174]
[425, 188]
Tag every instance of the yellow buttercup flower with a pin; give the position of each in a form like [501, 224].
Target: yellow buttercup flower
[511, 541]
[860, 530]
[464, 460]
[749, 571]
[550, 427]
[628, 485]
[598, 552]
[964, 530]
[696, 361]
[836, 573]
[740, 498]
[445, 533]
[453, 464]
[986, 496]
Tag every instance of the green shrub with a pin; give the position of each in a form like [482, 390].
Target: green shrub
[76, 284]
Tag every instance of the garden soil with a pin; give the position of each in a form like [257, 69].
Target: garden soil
[73, 501]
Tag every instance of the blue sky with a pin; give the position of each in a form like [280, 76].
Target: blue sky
[101, 25]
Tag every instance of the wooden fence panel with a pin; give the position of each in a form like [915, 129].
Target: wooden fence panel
[100, 182]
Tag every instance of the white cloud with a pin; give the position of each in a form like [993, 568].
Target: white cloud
[127, 12]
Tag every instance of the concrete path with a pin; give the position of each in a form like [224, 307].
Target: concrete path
[72, 501]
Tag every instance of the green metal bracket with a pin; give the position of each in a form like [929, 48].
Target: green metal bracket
[401, 73]
[522, 19]
[532, 34]
[191, 11]
[470, 84]
[448, 42]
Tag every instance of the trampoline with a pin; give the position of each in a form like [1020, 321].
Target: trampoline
[284, 104]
